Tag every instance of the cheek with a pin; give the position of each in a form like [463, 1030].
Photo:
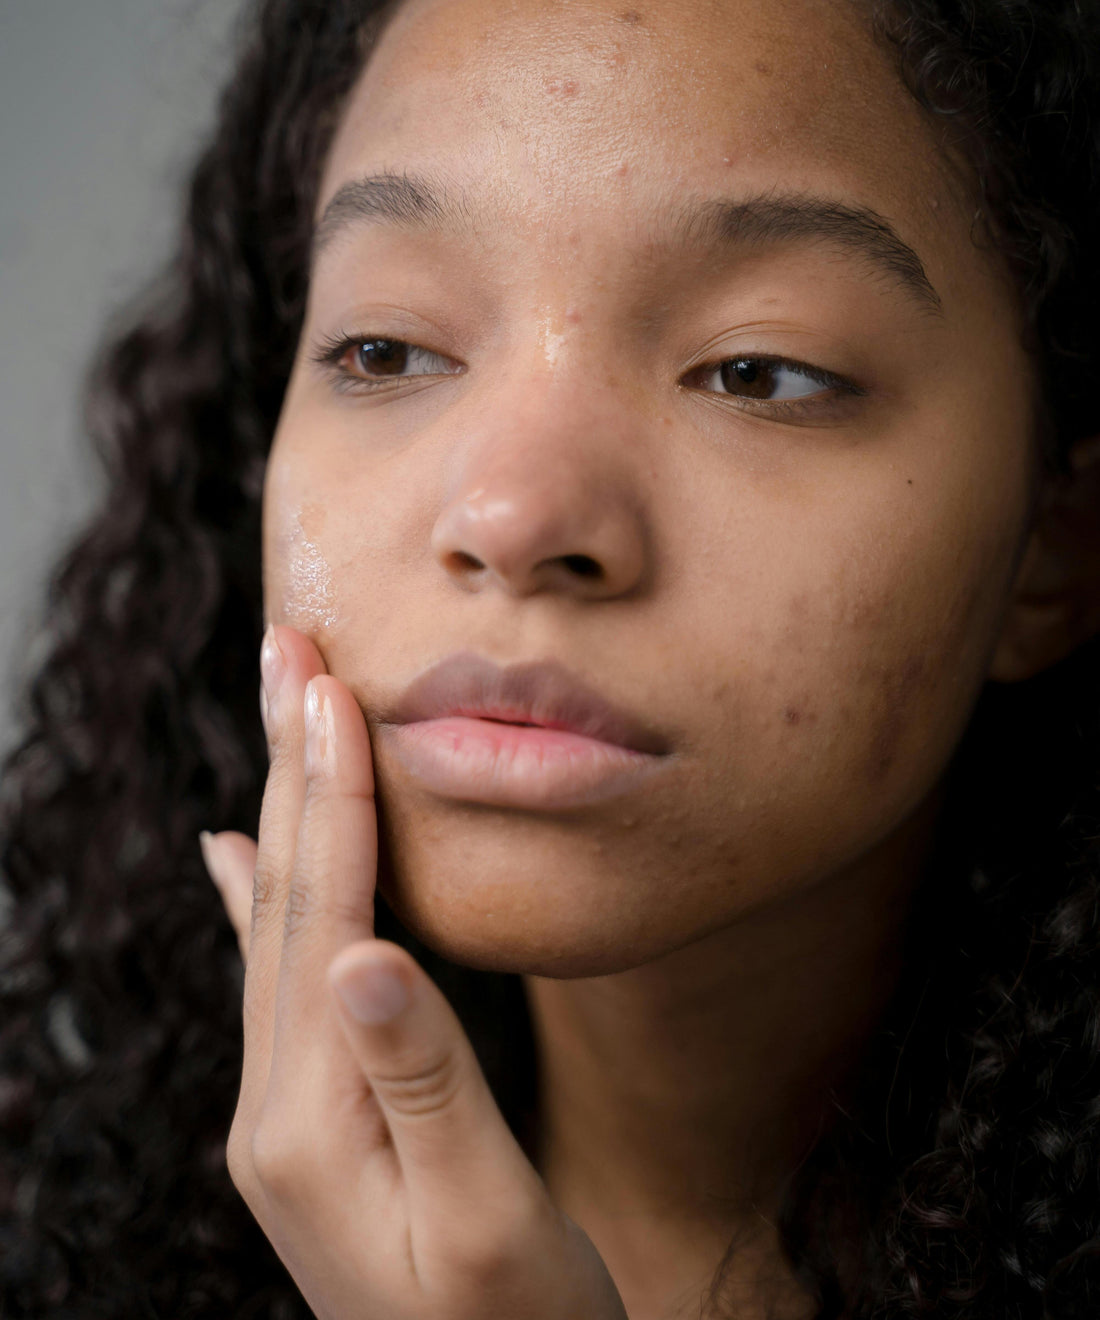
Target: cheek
[302, 586]
[868, 680]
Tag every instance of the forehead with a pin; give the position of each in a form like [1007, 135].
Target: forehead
[548, 102]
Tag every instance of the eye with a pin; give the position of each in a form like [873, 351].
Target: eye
[770, 380]
[369, 361]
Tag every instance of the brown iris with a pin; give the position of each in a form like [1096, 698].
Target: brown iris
[383, 357]
[748, 377]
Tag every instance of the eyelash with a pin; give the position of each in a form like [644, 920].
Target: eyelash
[330, 352]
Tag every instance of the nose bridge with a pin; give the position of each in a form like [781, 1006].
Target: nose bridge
[544, 492]
[556, 409]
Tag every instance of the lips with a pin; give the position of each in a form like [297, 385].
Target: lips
[542, 694]
[531, 737]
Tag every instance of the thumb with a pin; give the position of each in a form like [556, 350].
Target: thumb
[449, 1136]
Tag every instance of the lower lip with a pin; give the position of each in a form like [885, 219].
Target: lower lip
[512, 765]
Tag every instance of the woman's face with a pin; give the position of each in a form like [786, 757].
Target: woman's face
[789, 570]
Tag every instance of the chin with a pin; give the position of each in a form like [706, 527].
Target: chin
[483, 897]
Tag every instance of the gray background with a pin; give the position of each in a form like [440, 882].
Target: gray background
[102, 106]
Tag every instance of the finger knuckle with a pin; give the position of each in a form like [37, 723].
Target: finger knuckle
[265, 893]
[238, 1159]
[300, 903]
[279, 1160]
[425, 1089]
[497, 1253]
[282, 738]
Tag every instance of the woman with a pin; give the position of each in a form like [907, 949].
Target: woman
[675, 431]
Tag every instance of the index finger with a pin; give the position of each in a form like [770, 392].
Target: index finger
[330, 901]
[288, 660]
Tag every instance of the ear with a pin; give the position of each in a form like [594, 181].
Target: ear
[1055, 604]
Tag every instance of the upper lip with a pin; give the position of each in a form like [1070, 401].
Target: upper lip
[542, 693]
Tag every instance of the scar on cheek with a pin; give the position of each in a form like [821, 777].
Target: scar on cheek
[309, 599]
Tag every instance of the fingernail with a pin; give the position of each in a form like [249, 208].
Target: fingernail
[372, 994]
[320, 735]
[272, 670]
[208, 845]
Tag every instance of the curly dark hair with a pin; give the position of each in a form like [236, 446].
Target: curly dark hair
[967, 1181]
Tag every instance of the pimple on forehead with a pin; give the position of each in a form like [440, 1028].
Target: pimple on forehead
[565, 87]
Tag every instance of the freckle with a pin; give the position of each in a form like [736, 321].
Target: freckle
[631, 17]
[909, 481]
[792, 714]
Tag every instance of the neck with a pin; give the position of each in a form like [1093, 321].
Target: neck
[678, 1098]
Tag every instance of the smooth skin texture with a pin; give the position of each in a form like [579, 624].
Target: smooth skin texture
[805, 600]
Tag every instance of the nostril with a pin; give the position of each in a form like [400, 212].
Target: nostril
[461, 559]
[582, 565]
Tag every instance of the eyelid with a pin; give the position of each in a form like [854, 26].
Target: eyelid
[829, 379]
[822, 409]
[331, 349]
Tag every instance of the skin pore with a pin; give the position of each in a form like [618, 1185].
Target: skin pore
[802, 596]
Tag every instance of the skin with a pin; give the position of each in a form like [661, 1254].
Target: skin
[806, 604]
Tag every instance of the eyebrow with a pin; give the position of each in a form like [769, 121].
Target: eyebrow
[414, 202]
[404, 200]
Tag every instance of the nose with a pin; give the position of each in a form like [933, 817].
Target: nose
[546, 498]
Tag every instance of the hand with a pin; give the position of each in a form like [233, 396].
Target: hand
[366, 1141]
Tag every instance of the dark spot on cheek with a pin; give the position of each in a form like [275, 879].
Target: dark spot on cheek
[761, 68]
[796, 712]
[897, 688]
[799, 606]
[561, 86]
[631, 17]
